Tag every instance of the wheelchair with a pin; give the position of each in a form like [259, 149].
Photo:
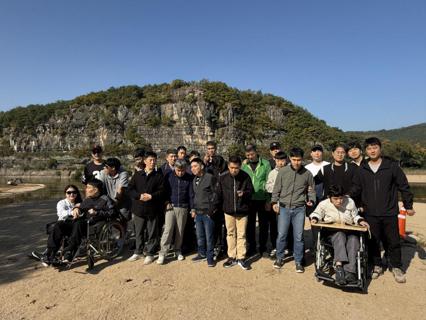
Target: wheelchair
[324, 255]
[105, 239]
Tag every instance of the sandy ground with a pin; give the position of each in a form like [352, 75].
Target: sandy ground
[184, 290]
[8, 191]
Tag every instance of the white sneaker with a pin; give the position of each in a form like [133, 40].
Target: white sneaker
[135, 257]
[148, 260]
[160, 259]
[180, 256]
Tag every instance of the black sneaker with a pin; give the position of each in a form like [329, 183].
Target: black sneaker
[243, 264]
[351, 277]
[198, 258]
[279, 263]
[68, 257]
[211, 263]
[45, 261]
[229, 263]
[340, 276]
[299, 268]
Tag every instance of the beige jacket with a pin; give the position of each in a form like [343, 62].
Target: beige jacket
[328, 213]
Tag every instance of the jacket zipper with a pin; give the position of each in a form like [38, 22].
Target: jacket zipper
[235, 200]
[178, 203]
[292, 192]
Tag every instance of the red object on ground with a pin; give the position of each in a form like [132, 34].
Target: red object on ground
[402, 217]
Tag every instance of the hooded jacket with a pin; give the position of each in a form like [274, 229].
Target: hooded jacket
[379, 191]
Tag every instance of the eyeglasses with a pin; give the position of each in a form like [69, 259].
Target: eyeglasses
[71, 192]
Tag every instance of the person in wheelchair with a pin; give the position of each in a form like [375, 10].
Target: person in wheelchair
[339, 208]
[61, 228]
[95, 207]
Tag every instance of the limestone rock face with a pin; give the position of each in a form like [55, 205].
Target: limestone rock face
[187, 120]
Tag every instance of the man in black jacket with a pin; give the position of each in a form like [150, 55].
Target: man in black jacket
[205, 206]
[146, 189]
[378, 182]
[337, 173]
[235, 190]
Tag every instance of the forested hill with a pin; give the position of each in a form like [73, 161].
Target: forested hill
[411, 134]
[166, 115]
[163, 116]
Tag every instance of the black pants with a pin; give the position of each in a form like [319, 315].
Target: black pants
[151, 238]
[219, 233]
[385, 230]
[267, 222]
[79, 231]
[267, 226]
[61, 229]
[189, 243]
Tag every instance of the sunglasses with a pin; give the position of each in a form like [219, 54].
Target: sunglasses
[71, 192]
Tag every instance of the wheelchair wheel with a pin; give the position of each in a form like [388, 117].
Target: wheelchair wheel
[111, 240]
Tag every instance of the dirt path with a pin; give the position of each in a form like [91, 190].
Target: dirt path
[183, 290]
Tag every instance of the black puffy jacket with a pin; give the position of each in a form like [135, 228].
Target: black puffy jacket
[228, 187]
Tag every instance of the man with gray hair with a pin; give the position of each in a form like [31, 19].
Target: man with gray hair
[179, 197]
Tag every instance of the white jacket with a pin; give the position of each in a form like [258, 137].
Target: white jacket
[64, 209]
[328, 213]
[269, 186]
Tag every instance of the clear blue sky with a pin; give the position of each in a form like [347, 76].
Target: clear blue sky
[359, 65]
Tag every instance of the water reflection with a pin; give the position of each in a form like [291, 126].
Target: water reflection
[54, 189]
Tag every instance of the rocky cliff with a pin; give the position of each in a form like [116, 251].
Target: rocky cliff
[162, 116]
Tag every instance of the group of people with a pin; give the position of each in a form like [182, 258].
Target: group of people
[215, 204]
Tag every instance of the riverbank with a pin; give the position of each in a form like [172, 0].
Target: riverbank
[416, 178]
[186, 290]
[10, 191]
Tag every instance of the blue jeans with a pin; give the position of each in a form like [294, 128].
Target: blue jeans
[204, 229]
[296, 217]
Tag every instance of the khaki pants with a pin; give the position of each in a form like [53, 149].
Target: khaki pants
[236, 236]
[174, 225]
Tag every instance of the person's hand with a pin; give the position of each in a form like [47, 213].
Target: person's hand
[411, 212]
[169, 207]
[267, 206]
[240, 193]
[364, 224]
[75, 213]
[276, 208]
[314, 220]
[193, 214]
[245, 161]
[309, 203]
[145, 197]
[119, 189]
[92, 212]
[207, 158]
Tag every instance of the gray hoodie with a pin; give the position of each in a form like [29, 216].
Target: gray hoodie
[292, 188]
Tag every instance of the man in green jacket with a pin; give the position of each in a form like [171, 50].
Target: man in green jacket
[258, 169]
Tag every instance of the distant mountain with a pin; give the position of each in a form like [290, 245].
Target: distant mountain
[411, 134]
